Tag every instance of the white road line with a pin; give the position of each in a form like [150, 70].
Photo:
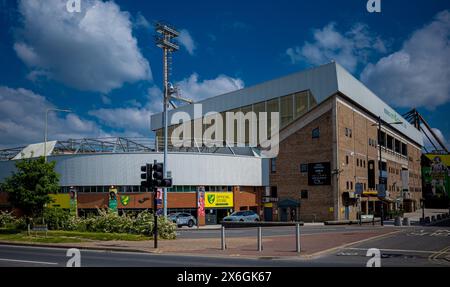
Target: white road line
[398, 250]
[26, 261]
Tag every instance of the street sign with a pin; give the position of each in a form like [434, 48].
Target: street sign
[381, 191]
[359, 188]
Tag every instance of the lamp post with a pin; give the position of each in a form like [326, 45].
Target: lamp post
[380, 170]
[46, 127]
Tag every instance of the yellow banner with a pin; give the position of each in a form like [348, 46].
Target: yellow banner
[218, 199]
[60, 201]
[439, 158]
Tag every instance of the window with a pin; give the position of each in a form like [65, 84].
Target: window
[404, 149]
[397, 146]
[389, 142]
[351, 185]
[286, 110]
[357, 162]
[274, 191]
[304, 194]
[348, 185]
[273, 165]
[316, 133]
[303, 168]
[346, 159]
[301, 104]
[382, 138]
[272, 107]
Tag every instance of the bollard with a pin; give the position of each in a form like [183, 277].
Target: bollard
[259, 239]
[406, 221]
[223, 238]
[398, 221]
[297, 237]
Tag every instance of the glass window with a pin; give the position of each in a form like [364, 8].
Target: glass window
[274, 191]
[316, 133]
[304, 194]
[397, 145]
[245, 136]
[312, 100]
[273, 165]
[303, 168]
[301, 104]
[382, 139]
[404, 149]
[286, 110]
[389, 142]
[272, 106]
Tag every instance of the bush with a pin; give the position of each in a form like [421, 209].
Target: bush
[56, 218]
[6, 219]
[105, 222]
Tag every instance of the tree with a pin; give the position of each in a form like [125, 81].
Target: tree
[29, 187]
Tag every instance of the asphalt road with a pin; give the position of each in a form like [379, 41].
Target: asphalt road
[412, 246]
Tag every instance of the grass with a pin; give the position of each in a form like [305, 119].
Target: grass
[66, 236]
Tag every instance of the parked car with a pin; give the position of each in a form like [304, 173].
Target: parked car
[183, 219]
[248, 216]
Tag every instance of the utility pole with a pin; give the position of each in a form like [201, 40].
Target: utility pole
[380, 165]
[165, 42]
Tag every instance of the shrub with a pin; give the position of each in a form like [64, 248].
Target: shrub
[6, 219]
[56, 218]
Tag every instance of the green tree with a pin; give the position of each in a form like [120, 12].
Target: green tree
[30, 185]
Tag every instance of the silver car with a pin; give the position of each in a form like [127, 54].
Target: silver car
[183, 219]
[241, 216]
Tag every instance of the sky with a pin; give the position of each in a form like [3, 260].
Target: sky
[103, 65]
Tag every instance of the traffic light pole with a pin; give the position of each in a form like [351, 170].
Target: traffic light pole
[155, 217]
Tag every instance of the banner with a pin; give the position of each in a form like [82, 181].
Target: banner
[437, 175]
[113, 199]
[219, 199]
[200, 201]
[159, 203]
[60, 201]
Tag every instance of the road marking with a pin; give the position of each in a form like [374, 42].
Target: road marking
[27, 261]
[402, 250]
[434, 258]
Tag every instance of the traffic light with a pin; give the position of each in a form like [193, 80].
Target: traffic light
[158, 176]
[146, 176]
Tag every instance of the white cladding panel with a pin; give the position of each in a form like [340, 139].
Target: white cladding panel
[186, 168]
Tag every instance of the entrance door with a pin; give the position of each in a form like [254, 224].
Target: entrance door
[268, 214]
[211, 217]
[284, 214]
[347, 212]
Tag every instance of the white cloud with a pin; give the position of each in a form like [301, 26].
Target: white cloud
[197, 90]
[419, 73]
[349, 49]
[186, 41]
[134, 119]
[22, 120]
[93, 50]
[141, 21]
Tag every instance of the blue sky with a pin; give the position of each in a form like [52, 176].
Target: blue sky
[102, 63]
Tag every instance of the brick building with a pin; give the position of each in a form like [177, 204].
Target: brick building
[328, 166]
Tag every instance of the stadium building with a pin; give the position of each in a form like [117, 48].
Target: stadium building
[327, 167]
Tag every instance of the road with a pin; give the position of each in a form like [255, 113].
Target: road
[412, 246]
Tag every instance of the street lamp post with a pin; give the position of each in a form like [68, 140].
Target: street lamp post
[380, 170]
[46, 128]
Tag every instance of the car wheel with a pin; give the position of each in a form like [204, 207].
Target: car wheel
[256, 219]
[190, 223]
[242, 220]
[179, 226]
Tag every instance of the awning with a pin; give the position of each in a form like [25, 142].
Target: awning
[288, 202]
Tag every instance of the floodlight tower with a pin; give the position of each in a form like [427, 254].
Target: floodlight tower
[164, 41]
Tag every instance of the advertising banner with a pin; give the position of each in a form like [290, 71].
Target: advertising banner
[219, 199]
[113, 199]
[437, 175]
[201, 201]
[159, 203]
[60, 201]
[73, 202]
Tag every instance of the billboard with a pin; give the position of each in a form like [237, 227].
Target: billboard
[437, 175]
[60, 201]
[219, 199]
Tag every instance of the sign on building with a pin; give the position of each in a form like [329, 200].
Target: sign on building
[218, 199]
[319, 173]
